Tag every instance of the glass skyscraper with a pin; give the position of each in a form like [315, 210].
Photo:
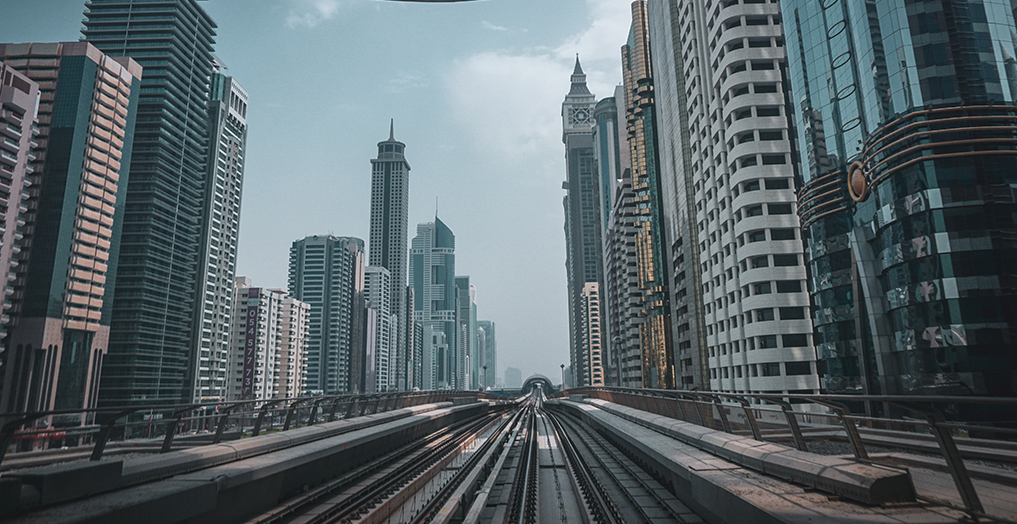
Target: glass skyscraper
[905, 119]
[433, 279]
[151, 357]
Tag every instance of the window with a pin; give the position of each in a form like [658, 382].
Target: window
[782, 234]
[777, 183]
[770, 369]
[798, 368]
[779, 209]
[791, 313]
[770, 136]
[759, 262]
[772, 160]
[789, 286]
[766, 88]
[795, 341]
[754, 211]
[762, 288]
[757, 236]
[767, 111]
[785, 260]
[763, 315]
[752, 186]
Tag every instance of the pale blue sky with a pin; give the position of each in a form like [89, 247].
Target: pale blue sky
[475, 89]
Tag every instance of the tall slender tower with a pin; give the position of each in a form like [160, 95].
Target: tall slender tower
[582, 212]
[220, 232]
[390, 204]
[151, 356]
[434, 296]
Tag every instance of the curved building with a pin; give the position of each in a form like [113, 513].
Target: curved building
[905, 117]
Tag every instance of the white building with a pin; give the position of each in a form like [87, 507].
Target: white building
[724, 141]
[267, 350]
[378, 289]
[593, 334]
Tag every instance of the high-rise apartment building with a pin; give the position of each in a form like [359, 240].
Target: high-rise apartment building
[466, 330]
[58, 332]
[655, 340]
[327, 272]
[390, 204]
[582, 209]
[592, 333]
[378, 289]
[735, 135]
[905, 118]
[432, 277]
[490, 348]
[219, 235]
[622, 296]
[151, 355]
[266, 349]
[19, 100]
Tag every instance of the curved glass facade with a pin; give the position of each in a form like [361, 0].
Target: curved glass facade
[907, 134]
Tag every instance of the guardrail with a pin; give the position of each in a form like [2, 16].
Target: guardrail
[773, 417]
[97, 426]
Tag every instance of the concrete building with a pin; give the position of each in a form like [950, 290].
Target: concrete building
[432, 276]
[59, 328]
[151, 356]
[390, 202]
[513, 378]
[221, 227]
[327, 272]
[582, 208]
[378, 289]
[592, 331]
[621, 301]
[293, 348]
[19, 100]
[466, 334]
[741, 169]
[267, 349]
[486, 334]
[655, 340]
[904, 120]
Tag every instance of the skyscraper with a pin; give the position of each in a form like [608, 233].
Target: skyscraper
[433, 280]
[68, 262]
[327, 272]
[293, 348]
[19, 99]
[221, 227]
[621, 300]
[378, 289]
[651, 245]
[466, 330]
[151, 353]
[582, 209]
[592, 333]
[390, 202]
[490, 352]
[904, 114]
[741, 167]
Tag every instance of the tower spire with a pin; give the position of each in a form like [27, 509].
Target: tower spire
[579, 67]
[579, 80]
[391, 130]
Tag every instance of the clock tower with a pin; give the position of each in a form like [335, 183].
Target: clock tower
[582, 225]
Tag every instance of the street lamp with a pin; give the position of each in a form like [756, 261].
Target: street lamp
[563, 377]
[483, 382]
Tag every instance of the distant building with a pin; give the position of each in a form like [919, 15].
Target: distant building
[592, 339]
[327, 272]
[378, 289]
[513, 378]
[390, 201]
[466, 332]
[433, 280]
[622, 296]
[67, 265]
[490, 351]
[19, 98]
[221, 223]
[582, 205]
[265, 355]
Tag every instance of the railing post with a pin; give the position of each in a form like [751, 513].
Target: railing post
[331, 413]
[681, 409]
[351, 407]
[171, 430]
[854, 438]
[103, 437]
[314, 412]
[723, 415]
[792, 422]
[750, 418]
[220, 428]
[261, 417]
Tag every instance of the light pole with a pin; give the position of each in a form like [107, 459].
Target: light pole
[483, 382]
[563, 386]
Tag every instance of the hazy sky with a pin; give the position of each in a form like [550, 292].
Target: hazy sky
[475, 89]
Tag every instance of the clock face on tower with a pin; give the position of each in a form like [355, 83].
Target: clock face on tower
[579, 116]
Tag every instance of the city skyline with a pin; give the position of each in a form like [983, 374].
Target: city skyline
[464, 56]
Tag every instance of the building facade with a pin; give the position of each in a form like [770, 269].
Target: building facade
[592, 333]
[151, 357]
[292, 378]
[904, 112]
[327, 272]
[466, 329]
[655, 341]
[582, 209]
[390, 203]
[486, 334]
[432, 277]
[219, 235]
[58, 333]
[622, 296]
[19, 100]
[378, 288]
[742, 170]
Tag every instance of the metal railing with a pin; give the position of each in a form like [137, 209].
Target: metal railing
[830, 417]
[198, 423]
